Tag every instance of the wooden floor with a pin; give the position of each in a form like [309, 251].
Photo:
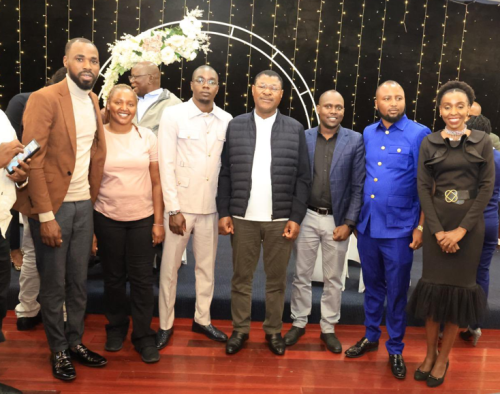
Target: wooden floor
[193, 364]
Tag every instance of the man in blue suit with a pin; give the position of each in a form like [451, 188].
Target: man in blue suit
[337, 159]
[390, 222]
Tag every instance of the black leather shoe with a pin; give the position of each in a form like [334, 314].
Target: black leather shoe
[398, 366]
[276, 343]
[162, 337]
[4, 389]
[150, 354]
[432, 381]
[210, 332]
[360, 348]
[113, 344]
[28, 323]
[87, 357]
[332, 342]
[292, 336]
[62, 367]
[235, 343]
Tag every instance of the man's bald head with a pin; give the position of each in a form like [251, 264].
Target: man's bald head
[203, 68]
[475, 109]
[387, 84]
[330, 110]
[145, 77]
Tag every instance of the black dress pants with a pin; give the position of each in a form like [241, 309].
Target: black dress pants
[127, 251]
[4, 278]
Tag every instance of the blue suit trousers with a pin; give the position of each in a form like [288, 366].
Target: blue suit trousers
[489, 246]
[386, 265]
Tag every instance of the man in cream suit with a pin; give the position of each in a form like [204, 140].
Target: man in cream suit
[190, 140]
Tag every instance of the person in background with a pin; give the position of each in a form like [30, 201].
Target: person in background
[28, 310]
[390, 222]
[337, 160]
[9, 147]
[456, 174]
[15, 111]
[145, 79]
[473, 332]
[478, 121]
[190, 141]
[264, 186]
[65, 179]
[128, 223]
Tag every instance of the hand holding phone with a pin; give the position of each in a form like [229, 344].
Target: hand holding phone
[29, 151]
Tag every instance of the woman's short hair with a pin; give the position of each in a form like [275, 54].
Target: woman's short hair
[456, 86]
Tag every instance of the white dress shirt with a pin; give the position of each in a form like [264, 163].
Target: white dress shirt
[189, 147]
[147, 101]
[7, 188]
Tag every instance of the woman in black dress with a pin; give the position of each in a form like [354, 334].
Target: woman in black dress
[455, 182]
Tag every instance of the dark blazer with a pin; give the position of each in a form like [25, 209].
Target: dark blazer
[290, 173]
[49, 119]
[347, 173]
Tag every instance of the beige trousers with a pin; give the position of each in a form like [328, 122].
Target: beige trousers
[204, 229]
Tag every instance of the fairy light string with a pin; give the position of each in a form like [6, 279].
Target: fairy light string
[381, 49]
[420, 61]
[276, 5]
[295, 50]
[228, 54]
[443, 45]
[357, 65]
[463, 40]
[342, 13]
[320, 21]
[249, 57]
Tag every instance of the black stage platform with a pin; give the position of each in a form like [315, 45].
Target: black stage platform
[352, 301]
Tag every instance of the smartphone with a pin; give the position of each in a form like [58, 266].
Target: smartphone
[29, 152]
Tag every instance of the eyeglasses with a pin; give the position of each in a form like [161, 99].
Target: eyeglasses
[272, 88]
[201, 81]
[132, 77]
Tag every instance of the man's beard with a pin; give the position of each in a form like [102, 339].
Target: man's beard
[391, 119]
[84, 85]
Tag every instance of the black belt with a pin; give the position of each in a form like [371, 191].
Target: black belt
[321, 211]
[456, 196]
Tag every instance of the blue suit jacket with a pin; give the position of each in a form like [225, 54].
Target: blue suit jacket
[347, 173]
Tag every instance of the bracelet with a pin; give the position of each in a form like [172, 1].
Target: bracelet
[156, 224]
[420, 228]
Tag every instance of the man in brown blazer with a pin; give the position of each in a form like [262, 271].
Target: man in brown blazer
[64, 182]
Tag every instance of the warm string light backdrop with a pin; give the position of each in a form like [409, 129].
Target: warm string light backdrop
[347, 45]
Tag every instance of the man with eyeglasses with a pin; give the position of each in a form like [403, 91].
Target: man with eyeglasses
[190, 140]
[337, 159]
[262, 195]
[145, 79]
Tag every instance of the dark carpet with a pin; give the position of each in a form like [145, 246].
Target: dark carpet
[352, 301]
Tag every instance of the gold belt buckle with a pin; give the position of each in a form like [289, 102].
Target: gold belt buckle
[451, 195]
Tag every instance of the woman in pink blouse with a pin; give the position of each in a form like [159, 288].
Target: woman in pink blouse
[128, 220]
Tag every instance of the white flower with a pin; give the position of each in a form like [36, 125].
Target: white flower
[168, 55]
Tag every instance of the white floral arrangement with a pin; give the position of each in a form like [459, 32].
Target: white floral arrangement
[162, 46]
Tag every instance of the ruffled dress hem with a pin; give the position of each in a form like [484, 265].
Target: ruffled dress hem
[462, 306]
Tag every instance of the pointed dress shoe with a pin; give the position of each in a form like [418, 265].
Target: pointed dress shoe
[332, 343]
[28, 323]
[210, 332]
[432, 381]
[276, 343]
[235, 342]
[87, 357]
[62, 367]
[162, 337]
[360, 348]
[398, 366]
[292, 336]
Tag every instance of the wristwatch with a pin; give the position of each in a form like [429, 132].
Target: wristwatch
[421, 228]
[172, 213]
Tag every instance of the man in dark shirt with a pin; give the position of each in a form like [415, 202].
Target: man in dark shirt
[337, 158]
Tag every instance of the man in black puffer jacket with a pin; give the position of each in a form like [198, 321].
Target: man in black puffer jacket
[263, 189]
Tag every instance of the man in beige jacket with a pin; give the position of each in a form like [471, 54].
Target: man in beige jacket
[190, 140]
